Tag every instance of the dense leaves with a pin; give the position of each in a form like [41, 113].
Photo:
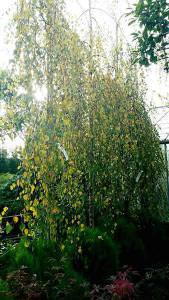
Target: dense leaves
[152, 37]
[8, 164]
[90, 146]
[14, 104]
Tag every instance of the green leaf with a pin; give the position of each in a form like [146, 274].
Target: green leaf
[8, 228]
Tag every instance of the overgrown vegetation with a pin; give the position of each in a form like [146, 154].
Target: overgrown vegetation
[89, 187]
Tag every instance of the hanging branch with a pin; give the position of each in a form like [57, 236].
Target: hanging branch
[91, 158]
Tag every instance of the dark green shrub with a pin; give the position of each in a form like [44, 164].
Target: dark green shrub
[132, 250]
[5, 291]
[8, 197]
[66, 284]
[23, 257]
[43, 251]
[154, 285]
[16, 257]
[36, 257]
[8, 164]
[156, 239]
[93, 253]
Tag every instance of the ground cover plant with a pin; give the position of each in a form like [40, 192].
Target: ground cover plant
[90, 179]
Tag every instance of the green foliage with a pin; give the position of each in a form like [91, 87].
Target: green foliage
[15, 103]
[3, 161]
[154, 285]
[5, 291]
[8, 164]
[5, 178]
[10, 198]
[152, 37]
[65, 283]
[44, 259]
[42, 251]
[90, 148]
[34, 255]
[132, 248]
[22, 257]
[92, 253]
[125, 157]
[6, 86]
[91, 155]
[3, 286]
[15, 257]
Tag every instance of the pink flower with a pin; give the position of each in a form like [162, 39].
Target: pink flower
[121, 287]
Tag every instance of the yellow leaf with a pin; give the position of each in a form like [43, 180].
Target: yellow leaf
[32, 189]
[45, 202]
[26, 231]
[27, 207]
[15, 219]
[62, 247]
[35, 213]
[36, 158]
[35, 203]
[5, 209]
[25, 197]
[82, 226]
[55, 211]
[26, 218]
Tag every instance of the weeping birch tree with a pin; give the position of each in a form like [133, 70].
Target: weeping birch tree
[91, 152]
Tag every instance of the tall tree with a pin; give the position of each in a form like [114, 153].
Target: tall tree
[90, 142]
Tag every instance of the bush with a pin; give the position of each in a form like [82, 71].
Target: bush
[156, 239]
[93, 253]
[132, 250]
[36, 257]
[4, 291]
[66, 284]
[43, 251]
[154, 285]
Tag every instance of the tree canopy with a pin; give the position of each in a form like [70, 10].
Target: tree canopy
[90, 146]
[153, 35]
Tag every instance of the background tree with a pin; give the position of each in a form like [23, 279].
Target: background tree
[3, 161]
[15, 103]
[153, 35]
[8, 164]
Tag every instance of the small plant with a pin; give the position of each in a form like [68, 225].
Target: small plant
[120, 288]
